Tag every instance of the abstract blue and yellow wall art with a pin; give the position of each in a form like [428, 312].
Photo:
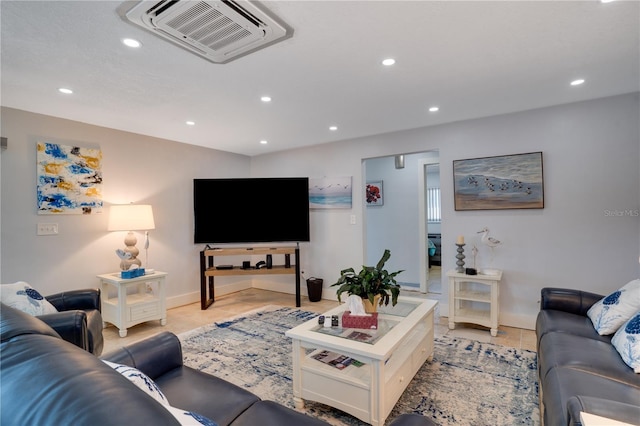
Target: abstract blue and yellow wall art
[69, 179]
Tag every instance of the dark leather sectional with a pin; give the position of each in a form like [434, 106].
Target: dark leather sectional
[46, 380]
[579, 370]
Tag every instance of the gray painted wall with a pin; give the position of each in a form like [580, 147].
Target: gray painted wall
[591, 167]
[136, 169]
[590, 153]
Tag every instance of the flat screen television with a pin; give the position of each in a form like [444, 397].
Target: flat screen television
[251, 210]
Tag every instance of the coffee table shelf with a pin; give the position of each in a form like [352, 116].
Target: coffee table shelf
[368, 392]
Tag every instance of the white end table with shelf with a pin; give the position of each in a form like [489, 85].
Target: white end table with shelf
[126, 310]
[466, 289]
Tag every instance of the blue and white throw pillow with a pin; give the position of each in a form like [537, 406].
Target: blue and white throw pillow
[627, 342]
[189, 418]
[609, 313]
[141, 380]
[25, 298]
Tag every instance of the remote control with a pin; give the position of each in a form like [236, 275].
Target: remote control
[334, 320]
[321, 319]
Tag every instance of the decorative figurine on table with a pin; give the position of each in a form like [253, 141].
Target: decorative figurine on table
[491, 243]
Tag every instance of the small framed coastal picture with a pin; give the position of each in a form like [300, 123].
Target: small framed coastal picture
[330, 193]
[502, 182]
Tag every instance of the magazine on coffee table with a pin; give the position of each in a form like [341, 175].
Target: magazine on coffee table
[336, 360]
[360, 336]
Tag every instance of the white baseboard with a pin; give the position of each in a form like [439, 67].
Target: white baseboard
[221, 290]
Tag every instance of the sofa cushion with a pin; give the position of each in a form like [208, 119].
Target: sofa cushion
[561, 383]
[550, 320]
[614, 410]
[594, 356]
[627, 342]
[269, 413]
[20, 295]
[148, 386]
[183, 387]
[609, 313]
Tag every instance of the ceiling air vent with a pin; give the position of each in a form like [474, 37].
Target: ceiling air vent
[219, 31]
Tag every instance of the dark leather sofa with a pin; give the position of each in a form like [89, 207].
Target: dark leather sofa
[580, 370]
[48, 381]
[79, 318]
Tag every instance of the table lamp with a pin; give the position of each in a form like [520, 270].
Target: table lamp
[130, 217]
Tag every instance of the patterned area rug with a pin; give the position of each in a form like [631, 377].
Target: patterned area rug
[467, 383]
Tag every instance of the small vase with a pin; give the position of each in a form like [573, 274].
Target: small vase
[368, 307]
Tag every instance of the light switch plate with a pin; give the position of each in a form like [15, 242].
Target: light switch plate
[47, 229]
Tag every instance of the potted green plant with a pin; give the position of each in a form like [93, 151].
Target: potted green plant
[371, 283]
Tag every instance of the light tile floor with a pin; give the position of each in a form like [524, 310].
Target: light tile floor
[188, 317]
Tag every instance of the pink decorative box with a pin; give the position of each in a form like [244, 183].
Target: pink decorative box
[358, 321]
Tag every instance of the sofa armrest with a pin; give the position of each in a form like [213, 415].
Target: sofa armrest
[568, 300]
[70, 325]
[154, 356]
[76, 299]
[614, 410]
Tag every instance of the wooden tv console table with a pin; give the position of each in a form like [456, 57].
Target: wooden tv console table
[208, 270]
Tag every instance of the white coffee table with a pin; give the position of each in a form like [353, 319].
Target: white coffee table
[402, 343]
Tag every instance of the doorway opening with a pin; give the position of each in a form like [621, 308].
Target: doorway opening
[398, 220]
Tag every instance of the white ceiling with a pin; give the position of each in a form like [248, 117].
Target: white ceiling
[471, 58]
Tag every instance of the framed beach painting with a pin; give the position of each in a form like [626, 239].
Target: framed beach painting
[330, 193]
[373, 194]
[502, 182]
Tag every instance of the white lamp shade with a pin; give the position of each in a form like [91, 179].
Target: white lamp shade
[131, 217]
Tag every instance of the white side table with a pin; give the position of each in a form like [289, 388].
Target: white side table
[464, 290]
[128, 308]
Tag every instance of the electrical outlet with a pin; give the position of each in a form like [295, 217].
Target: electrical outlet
[47, 229]
[353, 219]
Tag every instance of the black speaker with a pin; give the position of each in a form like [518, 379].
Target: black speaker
[287, 260]
[246, 264]
[269, 262]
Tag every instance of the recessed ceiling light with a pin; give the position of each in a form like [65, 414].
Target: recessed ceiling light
[333, 128]
[577, 82]
[190, 123]
[65, 90]
[131, 42]
[266, 99]
[388, 62]
[606, 1]
[263, 142]
[434, 109]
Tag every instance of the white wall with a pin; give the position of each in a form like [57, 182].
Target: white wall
[591, 167]
[590, 153]
[136, 169]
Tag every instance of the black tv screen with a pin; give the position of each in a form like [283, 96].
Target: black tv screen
[251, 210]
